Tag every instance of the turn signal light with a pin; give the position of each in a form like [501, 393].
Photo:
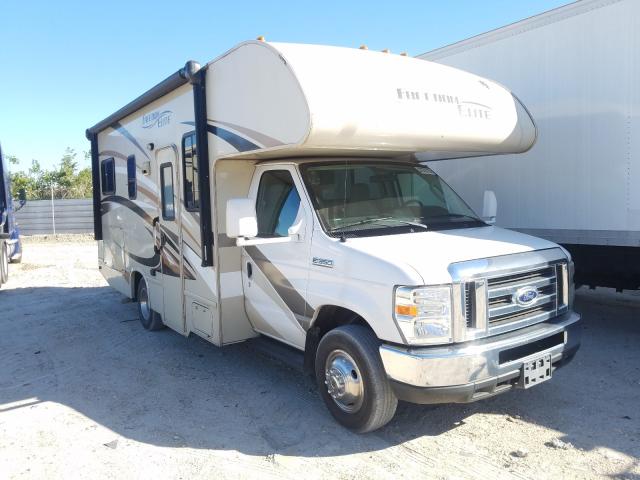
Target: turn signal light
[407, 310]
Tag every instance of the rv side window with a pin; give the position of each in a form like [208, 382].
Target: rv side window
[131, 177]
[108, 175]
[277, 204]
[166, 183]
[190, 170]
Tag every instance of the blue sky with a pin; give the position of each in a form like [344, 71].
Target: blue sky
[64, 65]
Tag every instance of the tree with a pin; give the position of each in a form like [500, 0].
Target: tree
[65, 177]
[66, 180]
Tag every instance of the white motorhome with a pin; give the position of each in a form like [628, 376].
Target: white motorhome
[274, 192]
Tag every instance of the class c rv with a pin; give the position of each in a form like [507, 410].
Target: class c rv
[275, 191]
[10, 244]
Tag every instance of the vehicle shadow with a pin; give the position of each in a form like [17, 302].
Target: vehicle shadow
[84, 348]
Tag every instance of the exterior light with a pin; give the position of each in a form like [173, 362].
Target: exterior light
[423, 314]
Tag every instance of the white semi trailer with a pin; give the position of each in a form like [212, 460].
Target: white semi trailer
[274, 191]
[577, 69]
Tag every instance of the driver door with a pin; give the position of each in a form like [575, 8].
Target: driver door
[275, 275]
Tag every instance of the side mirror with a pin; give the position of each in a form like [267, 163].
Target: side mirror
[489, 207]
[241, 218]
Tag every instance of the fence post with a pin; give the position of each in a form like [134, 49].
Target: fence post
[53, 212]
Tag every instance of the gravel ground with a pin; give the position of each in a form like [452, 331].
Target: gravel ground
[85, 392]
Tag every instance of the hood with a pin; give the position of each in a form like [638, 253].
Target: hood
[431, 253]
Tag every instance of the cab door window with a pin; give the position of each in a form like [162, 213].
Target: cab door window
[277, 204]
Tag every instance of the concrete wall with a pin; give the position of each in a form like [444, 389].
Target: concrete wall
[71, 216]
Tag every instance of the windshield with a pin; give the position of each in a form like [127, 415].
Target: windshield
[362, 198]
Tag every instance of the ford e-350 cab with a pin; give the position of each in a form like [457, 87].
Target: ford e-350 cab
[443, 307]
[276, 192]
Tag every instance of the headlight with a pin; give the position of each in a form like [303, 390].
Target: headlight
[423, 314]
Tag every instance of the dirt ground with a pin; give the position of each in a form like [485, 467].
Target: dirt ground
[85, 392]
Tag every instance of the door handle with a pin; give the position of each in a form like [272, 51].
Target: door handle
[249, 269]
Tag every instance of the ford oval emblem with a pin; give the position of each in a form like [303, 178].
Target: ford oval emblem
[526, 295]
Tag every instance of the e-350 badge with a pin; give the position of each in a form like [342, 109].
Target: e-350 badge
[323, 262]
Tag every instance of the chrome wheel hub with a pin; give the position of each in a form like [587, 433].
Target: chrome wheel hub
[143, 300]
[343, 381]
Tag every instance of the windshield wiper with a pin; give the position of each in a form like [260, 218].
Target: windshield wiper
[361, 222]
[409, 222]
[381, 219]
[457, 215]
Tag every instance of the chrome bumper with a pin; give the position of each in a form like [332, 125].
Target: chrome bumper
[492, 362]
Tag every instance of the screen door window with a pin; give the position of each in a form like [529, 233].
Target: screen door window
[167, 190]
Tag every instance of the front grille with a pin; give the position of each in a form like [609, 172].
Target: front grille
[505, 293]
[503, 306]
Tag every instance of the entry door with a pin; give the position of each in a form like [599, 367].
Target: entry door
[169, 232]
[275, 275]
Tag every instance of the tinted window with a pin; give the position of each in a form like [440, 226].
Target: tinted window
[131, 177]
[166, 184]
[190, 167]
[108, 176]
[277, 204]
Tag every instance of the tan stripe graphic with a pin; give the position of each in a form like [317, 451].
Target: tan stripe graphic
[287, 292]
[265, 140]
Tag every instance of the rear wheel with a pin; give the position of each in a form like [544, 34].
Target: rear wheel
[150, 319]
[352, 380]
[4, 263]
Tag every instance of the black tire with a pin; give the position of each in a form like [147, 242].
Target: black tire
[377, 403]
[4, 263]
[150, 319]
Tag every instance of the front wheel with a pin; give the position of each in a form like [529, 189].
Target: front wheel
[149, 318]
[352, 380]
